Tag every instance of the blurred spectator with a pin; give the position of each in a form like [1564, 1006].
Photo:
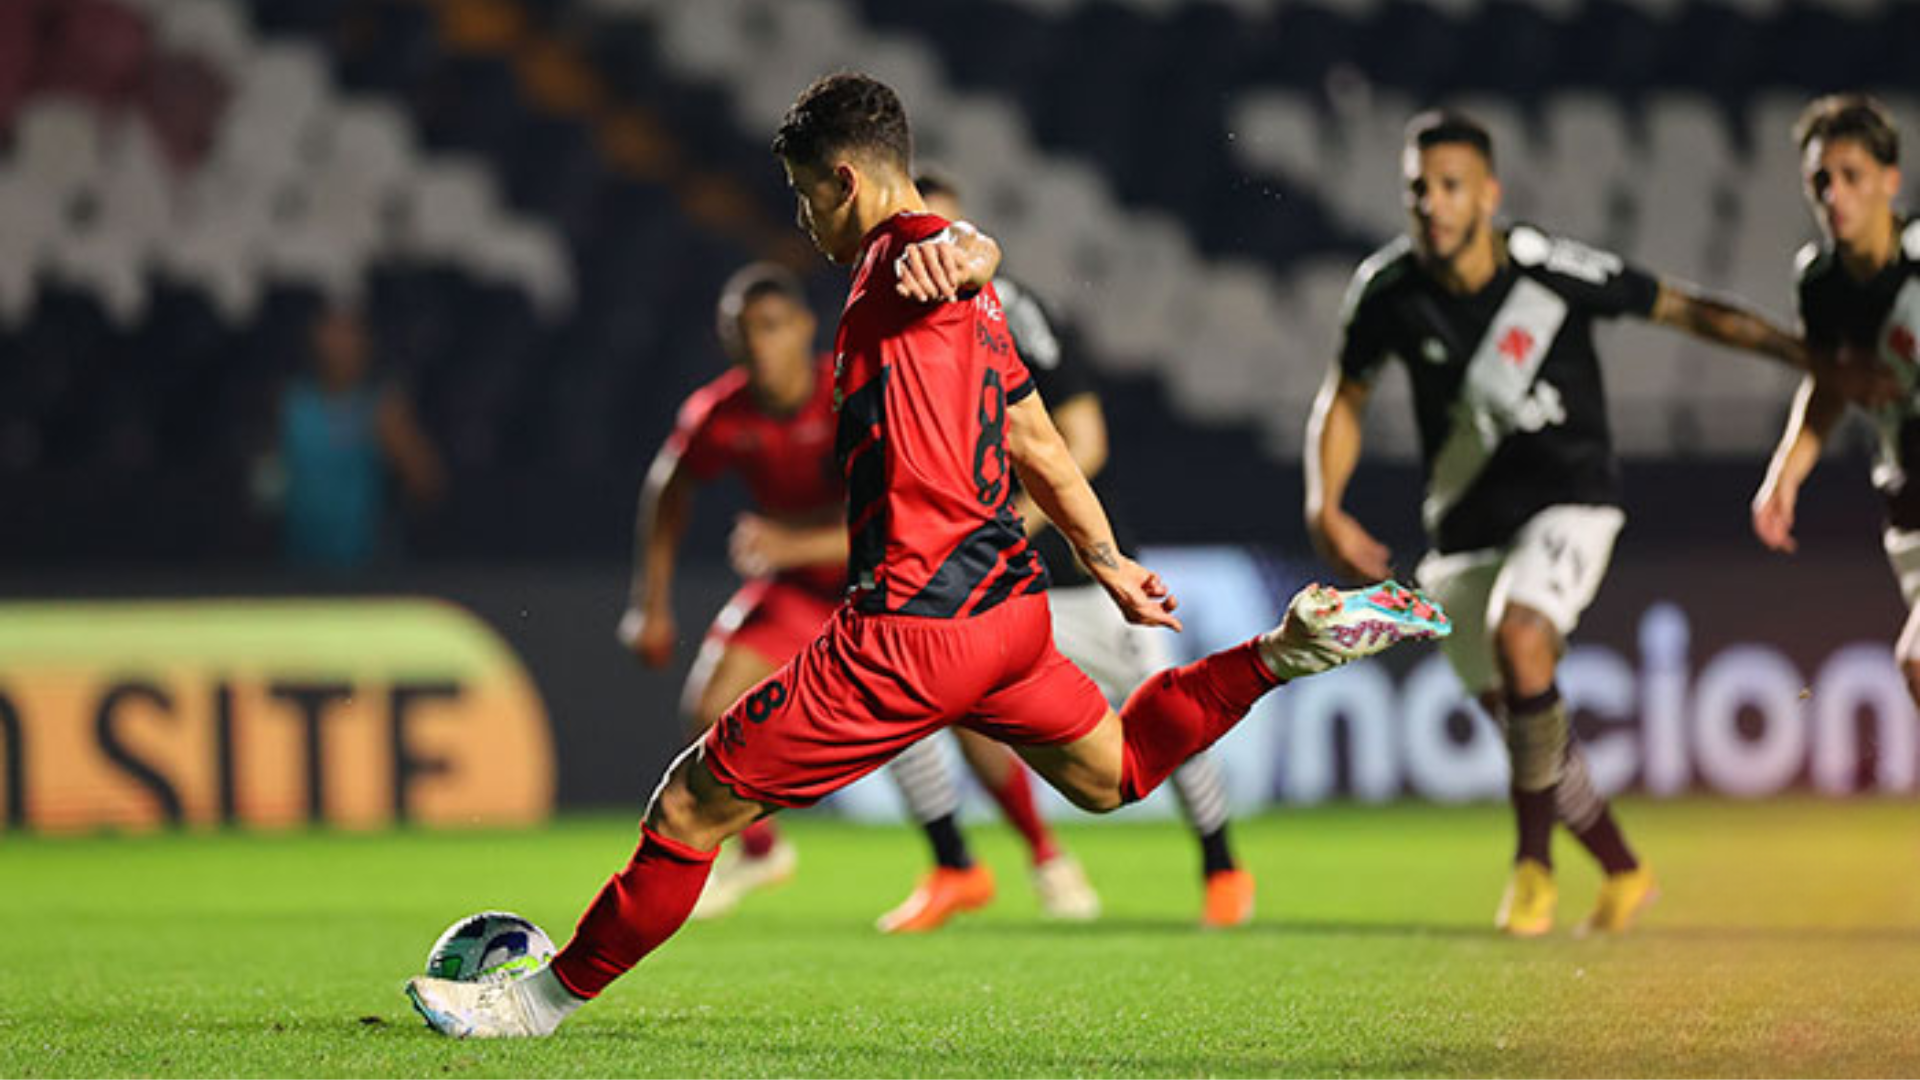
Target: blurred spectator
[341, 433]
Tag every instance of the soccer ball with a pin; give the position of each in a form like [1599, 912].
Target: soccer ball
[491, 946]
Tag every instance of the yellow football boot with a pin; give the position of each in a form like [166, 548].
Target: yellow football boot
[1623, 897]
[1526, 909]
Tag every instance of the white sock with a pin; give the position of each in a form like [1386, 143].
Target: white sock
[547, 999]
[1303, 653]
[1283, 659]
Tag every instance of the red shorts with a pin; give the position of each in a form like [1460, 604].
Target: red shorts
[869, 686]
[773, 617]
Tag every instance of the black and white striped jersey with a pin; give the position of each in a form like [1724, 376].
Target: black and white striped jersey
[1879, 316]
[1506, 384]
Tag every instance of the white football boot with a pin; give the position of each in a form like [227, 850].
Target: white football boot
[1064, 891]
[735, 874]
[477, 1010]
[1326, 627]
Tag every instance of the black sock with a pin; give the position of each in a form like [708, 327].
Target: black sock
[949, 847]
[1215, 856]
[1603, 839]
[1533, 811]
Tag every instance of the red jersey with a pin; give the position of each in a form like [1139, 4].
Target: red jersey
[923, 391]
[786, 461]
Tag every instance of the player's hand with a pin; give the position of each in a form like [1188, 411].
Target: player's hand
[1858, 375]
[649, 636]
[758, 547]
[1349, 548]
[939, 268]
[1140, 594]
[1773, 518]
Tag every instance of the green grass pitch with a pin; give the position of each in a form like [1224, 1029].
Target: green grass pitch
[1787, 942]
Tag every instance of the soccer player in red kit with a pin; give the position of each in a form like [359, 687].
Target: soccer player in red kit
[946, 621]
[769, 420]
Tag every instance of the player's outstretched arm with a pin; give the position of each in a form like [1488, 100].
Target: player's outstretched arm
[1728, 322]
[954, 262]
[1816, 409]
[1047, 470]
[1332, 450]
[666, 502]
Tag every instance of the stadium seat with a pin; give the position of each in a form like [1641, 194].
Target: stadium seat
[216, 30]
[1202, 254]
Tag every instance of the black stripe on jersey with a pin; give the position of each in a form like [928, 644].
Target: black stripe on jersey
[859, 444]
[1023, 567]
[971, 563]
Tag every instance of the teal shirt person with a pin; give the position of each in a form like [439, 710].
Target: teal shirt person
[346, 440]
[335, 474]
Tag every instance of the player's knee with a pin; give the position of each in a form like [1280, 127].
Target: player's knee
[1528, 648]
[694, 808]
[674, 811]
[1523, 633]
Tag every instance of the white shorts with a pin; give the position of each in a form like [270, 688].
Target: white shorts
[1094, 635]
[1903, 552]
[1554, 565]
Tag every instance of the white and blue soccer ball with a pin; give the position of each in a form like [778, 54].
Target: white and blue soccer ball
[489, 946]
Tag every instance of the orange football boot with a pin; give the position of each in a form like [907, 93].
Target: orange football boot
[942, 894]
[1229, 900]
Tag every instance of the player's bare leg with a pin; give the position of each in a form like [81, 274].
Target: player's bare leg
[1058, 879]
[762, 857]
[640, 907]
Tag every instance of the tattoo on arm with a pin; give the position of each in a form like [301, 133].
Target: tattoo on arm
[1732, 324]
[1102, 555]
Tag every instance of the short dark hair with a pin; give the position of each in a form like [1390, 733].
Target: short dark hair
[932, 182]
[845, 112]
[747, 284]
[1850, 116]
[1442, 127]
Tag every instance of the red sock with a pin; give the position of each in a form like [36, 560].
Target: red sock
[1016, 801]
[758, 838]
[637, 909]
[1182, 711]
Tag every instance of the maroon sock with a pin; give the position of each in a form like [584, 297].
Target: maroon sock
[1533, 821]
[1016, 801]
[1604, 841]
[1181, 711]
[758, 838]
[637, 909]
